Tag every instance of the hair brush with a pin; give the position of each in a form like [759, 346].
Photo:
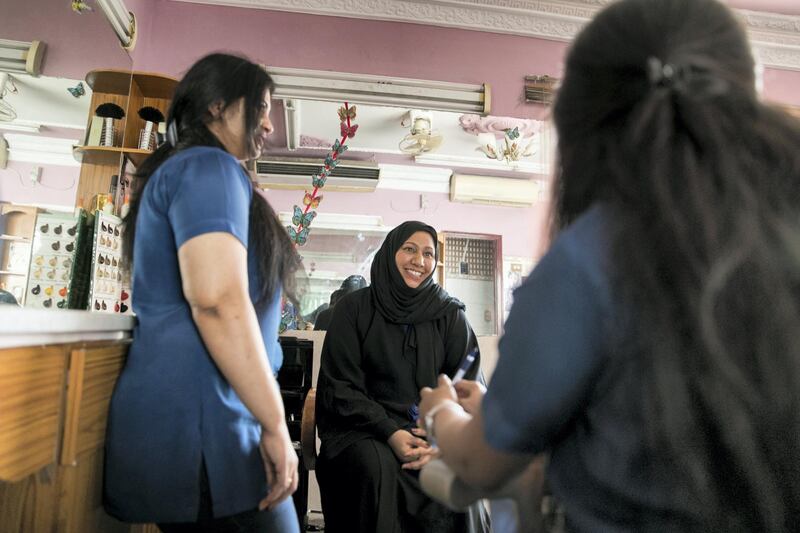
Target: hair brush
[109, 110]
[151, 114]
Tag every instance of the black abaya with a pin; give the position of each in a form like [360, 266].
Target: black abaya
[384, 344]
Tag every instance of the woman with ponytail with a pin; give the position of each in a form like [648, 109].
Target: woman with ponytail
[653, 351]
[197, 439]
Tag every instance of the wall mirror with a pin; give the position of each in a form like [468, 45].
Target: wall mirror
[45, 116]
[401, 165]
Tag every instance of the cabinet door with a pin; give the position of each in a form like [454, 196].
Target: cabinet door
[93, 372]
[31, 408]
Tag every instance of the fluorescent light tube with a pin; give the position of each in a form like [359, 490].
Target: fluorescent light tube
[380, 90]
[122, 20]
[21, 57]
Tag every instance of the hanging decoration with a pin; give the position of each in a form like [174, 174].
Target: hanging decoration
[302, 217]
[512, 149]
[80, 7]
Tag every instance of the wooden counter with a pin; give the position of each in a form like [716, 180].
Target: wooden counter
[57, 372]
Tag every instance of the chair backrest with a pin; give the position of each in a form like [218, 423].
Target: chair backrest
[308, 431]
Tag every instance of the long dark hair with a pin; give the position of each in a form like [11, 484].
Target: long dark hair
[658, 118]
[227, 79]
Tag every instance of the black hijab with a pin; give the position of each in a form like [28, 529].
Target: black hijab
[416, 308]
[396, 301]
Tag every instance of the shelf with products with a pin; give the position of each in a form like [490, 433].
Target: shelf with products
[103, 155]
[16, 237]
[131, 91]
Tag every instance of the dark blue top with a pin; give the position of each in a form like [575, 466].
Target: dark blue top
[172, 407]
[563, 384]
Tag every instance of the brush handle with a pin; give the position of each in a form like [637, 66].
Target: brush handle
[108, 131]
[146, 139]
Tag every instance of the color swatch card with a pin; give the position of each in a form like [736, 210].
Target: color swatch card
[107, 276]
[56, 241]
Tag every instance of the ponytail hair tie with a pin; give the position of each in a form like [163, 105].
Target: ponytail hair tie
[660, 74]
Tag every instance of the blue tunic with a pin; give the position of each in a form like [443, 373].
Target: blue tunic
[564, 383]
[172, 407]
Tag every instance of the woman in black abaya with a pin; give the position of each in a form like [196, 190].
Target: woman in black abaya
[385, 342]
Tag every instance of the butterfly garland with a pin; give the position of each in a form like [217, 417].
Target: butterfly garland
[302, 217]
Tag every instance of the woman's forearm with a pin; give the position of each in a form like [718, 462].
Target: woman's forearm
[231, 333]
[465, 450]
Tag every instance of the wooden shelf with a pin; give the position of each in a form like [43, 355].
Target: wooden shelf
[154, 85]
[98, 155]
[14, 238]
[132, 91]
[110, 81]
[12, 273]
[137, 156]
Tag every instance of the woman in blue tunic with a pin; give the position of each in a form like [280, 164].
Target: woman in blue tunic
[197, 439]
[653, 351]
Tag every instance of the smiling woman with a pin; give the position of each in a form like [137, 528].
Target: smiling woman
[384, 343]
[416, 258]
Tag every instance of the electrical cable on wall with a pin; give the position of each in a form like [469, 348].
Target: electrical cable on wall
[7, 111]
[69, 188]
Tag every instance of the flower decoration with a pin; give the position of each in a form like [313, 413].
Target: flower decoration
[302, 217]
[512, 148]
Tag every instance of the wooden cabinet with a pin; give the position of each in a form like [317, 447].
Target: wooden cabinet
[53, 409]
[131, 91]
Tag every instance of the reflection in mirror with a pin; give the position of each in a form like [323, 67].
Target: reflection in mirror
[411, 164]
[328, 259]
[52, 109]
[41, 119]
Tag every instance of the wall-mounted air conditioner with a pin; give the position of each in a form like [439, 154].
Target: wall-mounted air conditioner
[295, 174]
[489, 190]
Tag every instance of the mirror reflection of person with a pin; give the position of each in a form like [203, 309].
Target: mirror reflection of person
[384, 341]
[652, 352]
[197, 438]
[7, 298]
[350, 284]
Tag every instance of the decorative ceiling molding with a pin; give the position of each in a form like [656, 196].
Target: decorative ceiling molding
[775, 37]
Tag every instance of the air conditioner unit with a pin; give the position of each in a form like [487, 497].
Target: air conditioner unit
[489, 190]
[282, 173]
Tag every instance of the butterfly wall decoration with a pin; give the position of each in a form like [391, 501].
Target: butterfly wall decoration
[80, 7]
[298, 237]
[77, 91]
[302, 218]
[312, 201]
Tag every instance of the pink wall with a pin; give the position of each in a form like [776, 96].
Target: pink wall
[172, 35]
[520, 227]
[76, 43]
[180, 35]
[56, 188]
[782, 86]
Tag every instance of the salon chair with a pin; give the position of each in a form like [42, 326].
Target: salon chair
[308, 431]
